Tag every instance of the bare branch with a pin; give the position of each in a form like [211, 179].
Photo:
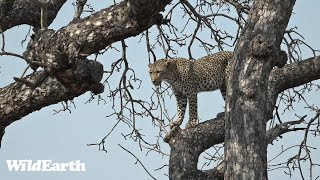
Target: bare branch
[79, 9]
[138, 161]
[44, 13]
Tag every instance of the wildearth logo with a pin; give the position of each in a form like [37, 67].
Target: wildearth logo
[44, 165]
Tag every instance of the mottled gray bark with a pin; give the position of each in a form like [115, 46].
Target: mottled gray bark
[62, 54]
[186, 146]
[290, 76]
[246, 105]
[91, 34]
[17, 12]
[18, 99]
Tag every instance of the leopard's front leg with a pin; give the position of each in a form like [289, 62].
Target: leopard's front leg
[193, 111]
[181, 108]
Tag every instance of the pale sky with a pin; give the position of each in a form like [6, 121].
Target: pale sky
[63, 137]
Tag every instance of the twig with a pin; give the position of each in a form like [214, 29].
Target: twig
[44, 13]
[4, 53]
[138, 161]
[3, 40]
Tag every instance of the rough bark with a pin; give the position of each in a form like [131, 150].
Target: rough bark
[17, 12]
[186, 146]
[62, 53]
[290, 76]
[93, 33]
[246, 105]
[18, 99]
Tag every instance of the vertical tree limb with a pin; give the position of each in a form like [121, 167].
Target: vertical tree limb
[246, 105]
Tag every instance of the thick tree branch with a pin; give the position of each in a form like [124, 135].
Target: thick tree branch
[91, 34]
[60, 51]
[18, 100]
[5, 7]
[293, 75]
[17, 12]
[187, 145]
[66, 73]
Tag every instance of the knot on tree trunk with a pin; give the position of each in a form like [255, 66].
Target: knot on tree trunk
[85, 75]
[262, 46]
[281, 60]
[75, 72]
[160, 20]
[173, 134]
[96, 75]
[96, 69]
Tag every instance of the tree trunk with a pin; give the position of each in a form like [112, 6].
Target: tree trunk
[246, 106]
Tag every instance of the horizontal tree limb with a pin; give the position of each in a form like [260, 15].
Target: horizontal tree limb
[292, 75]
[19, 99]
[86, 36]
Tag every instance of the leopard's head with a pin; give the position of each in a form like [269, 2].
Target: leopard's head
[160, 71]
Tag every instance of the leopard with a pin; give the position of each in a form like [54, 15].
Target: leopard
[188, 77]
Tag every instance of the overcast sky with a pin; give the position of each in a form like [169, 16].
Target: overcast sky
[63, 137]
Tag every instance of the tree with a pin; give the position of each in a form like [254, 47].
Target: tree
[258, 74]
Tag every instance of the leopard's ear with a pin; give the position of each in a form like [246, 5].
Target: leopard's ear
[168, 63]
